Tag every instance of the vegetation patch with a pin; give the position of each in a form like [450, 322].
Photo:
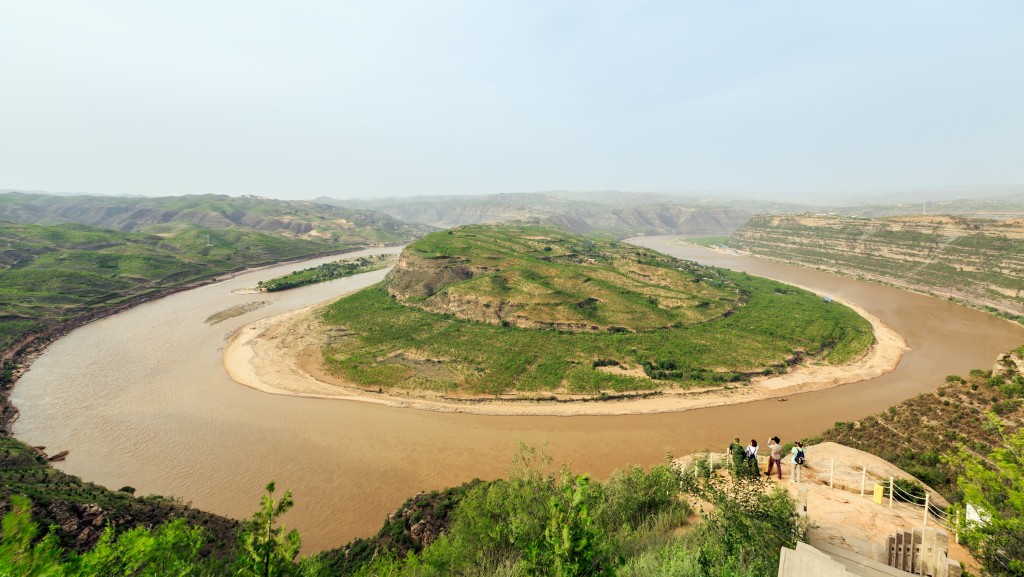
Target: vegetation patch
[327, 271]
[510, 309]
[58, 273]
[235, 311]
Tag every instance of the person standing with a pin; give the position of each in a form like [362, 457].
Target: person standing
[775, 456]
[750, 456]
[799, 456]
[735, 449]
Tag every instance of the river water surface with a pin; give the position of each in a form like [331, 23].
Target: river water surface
[141, 398]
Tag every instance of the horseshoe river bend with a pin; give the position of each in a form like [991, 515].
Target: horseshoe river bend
[141, 398]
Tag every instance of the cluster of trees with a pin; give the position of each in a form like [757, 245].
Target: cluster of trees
[323, 273]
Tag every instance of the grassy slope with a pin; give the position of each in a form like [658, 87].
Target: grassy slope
[57, 273]
[917, 433]
[388, 342]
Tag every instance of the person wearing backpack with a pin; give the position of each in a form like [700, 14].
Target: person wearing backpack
[750, 457]
[799, 458]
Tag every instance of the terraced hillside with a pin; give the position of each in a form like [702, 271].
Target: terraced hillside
[977, 261]
[495, 309]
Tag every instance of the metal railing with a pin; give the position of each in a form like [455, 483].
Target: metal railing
[865, 481]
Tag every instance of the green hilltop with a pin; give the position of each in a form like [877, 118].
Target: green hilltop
[508, 309]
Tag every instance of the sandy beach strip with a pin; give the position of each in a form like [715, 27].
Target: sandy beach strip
[282, 355]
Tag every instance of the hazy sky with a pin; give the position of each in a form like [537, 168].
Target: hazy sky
[357, 99]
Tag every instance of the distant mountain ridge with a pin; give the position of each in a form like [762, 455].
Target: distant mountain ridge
[619, 214]
[291, 218]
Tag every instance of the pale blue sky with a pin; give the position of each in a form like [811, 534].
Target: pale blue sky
[345, 99]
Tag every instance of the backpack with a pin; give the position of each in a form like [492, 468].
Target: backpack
[800, 457]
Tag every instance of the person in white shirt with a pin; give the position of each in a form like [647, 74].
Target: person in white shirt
[750, 455]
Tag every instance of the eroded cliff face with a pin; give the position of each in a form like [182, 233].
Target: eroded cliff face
[417, 278]
[419, 282]
[975, 260]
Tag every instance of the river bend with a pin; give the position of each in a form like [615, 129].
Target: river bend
[141, 398]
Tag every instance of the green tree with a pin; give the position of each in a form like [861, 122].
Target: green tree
[572, 545]
[996, 490]
[19, 557]
[269, 551]
[172, 549]
[747, 526]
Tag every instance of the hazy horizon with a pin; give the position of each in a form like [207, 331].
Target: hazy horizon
[800, 103]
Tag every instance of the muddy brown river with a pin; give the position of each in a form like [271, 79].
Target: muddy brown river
[141, 399]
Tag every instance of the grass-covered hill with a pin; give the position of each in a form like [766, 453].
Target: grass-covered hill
[535, 277]
[57, 273]
[171, 214]
[976, 261]
[502, 309]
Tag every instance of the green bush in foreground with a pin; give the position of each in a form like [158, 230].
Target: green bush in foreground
[996, 489]
[535, 523]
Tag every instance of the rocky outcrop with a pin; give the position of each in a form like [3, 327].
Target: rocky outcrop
[82, 524]
[1010, 364]
[413, 526]
[415, 277]
[978, 261]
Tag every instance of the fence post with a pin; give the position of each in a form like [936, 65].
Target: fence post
[927, 497]
[832, 474]
[863, 479]
[892, 485]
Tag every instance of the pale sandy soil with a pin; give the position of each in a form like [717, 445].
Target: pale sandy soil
[281, 355]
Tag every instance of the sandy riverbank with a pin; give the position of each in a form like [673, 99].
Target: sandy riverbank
[281, 355]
